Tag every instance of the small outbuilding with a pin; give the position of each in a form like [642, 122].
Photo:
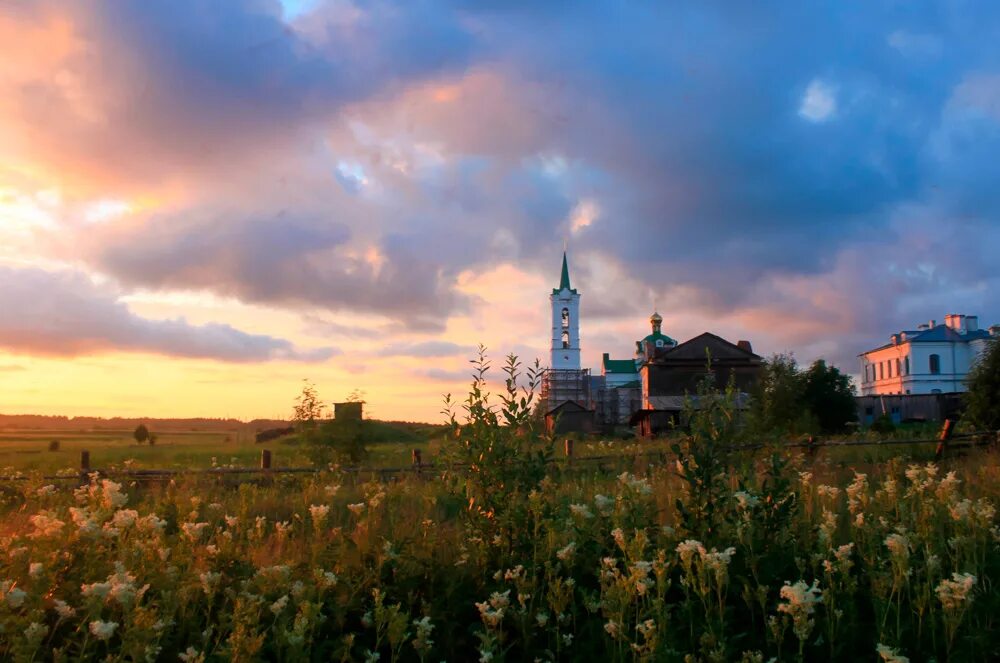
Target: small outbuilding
[569, 417]
[350, 411]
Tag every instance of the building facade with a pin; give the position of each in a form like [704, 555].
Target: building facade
[564, 381]
[931, 359]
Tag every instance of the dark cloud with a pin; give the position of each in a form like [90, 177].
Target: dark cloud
[739, 160]
[280, 260]
[66, 314]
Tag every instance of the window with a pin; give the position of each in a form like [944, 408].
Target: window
[889, 367]
[565, 318]
[565, 339]
[881, 370]
[906, 365]
[935, 363]
[899, 370]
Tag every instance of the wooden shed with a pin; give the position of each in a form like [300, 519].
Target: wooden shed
[569, 417]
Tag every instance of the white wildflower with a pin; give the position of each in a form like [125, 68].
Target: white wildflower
[955, 594]
[103, 630]
[319, 512]
[890, 654]
[63, 609]
[12, 595]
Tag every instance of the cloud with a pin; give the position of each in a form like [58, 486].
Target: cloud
[283, 260]
[819, 102]
[66, 314]
[429, 349]
[363, 157]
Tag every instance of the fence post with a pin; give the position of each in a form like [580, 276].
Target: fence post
[84, 467]
[812, 448]
[417, 462]
[265, 460]
[568, 446]
[946, 430]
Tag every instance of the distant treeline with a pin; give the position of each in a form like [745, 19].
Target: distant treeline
[45, 422]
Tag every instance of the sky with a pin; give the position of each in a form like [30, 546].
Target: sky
[203, 203]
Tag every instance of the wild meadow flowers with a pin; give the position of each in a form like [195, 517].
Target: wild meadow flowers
[796, 560]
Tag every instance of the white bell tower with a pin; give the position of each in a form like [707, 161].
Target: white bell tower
[565, 324]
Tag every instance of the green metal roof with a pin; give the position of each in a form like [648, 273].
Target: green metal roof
[564, 278]
[657, 336]
[619, 366]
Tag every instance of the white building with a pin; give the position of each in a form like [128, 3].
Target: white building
[932, 359]
[565, 353]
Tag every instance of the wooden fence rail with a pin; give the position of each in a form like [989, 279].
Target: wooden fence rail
[945, 440]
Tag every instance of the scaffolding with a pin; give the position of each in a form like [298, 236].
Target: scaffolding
[560, 385]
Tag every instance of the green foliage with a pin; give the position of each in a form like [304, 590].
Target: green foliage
[703, 457]
[141, 433]
[883, 425]
[982, 401]
[790, 401]
[829, 395]
[802, 562]
[501, 445]
[329, 441]
[777, 406]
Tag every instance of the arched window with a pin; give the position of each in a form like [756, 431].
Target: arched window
[565, 338]
[935, 364]
[565, 318]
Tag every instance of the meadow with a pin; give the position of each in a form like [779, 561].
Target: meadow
[503, 551]
[710, 556]
[28, 449]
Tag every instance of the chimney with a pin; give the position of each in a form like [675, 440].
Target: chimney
[932, 324]
[955, 322]
[971, 323]
[894, 339]
[744, 345]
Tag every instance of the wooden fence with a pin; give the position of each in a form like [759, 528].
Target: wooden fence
[946, 440]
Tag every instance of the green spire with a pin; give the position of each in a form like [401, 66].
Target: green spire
[564, 281]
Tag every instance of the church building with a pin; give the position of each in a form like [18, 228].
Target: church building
[646, 391]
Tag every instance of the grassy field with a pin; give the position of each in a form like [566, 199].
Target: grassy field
[786, 556]
[28, 450]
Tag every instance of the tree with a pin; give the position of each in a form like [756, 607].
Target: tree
[308, 410]
[829, 395]
[327, 440]
[141, 433]
[982, 401]
[778, 401]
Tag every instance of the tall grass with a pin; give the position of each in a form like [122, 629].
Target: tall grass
[709, 557]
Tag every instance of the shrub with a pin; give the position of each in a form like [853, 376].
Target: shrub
[141, 433]
[982, 401]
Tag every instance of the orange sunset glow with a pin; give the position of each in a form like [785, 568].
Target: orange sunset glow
[202, 206]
